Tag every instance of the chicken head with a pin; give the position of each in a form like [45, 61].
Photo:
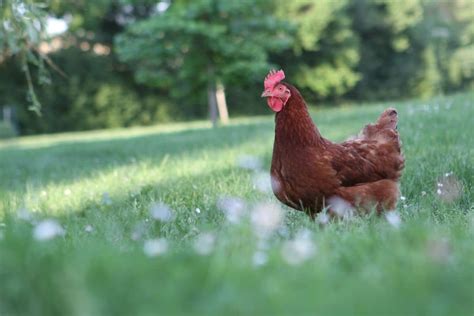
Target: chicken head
[277, 93]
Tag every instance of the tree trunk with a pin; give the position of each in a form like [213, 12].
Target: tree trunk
[222, 104]
[212, 102]
[216, 98]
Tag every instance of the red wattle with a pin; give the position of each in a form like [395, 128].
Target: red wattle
[276, 104]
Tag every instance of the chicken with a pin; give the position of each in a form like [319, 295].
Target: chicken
[310, 173]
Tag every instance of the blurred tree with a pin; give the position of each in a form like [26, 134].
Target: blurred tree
[392, 56]
[203, 45]
[100, 20]
[22, 29]
[324, 55]
[99, 91]
[448, 32]
[95, 95]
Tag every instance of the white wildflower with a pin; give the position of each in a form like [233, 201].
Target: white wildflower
[403, 198]
[204, 243]
[259, 258]
[262, 182]
[67, 192]
[155, 247]
[232, 207]
[47, 229]
[249, 162]
[88, 229]
[323, 218]
[341, 207]
[299, 249]
[266, 217]
[162, 212]
[393, 219]
[198, 210]
[283, 231]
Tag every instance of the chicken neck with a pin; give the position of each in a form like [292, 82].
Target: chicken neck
[293, 124]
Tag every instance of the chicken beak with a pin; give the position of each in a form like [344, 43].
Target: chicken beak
[266, 94]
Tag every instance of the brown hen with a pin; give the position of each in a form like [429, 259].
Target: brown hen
[310, 173]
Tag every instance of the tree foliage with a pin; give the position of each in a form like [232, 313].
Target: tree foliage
[386, 31]
[450, 26]
[95, 94]
[21, 31]
[197, 44]
[325, 47]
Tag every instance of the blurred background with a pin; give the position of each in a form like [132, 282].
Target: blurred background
[68, 65]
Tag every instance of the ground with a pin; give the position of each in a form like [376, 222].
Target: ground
[178, 220]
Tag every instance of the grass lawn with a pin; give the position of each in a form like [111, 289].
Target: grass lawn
[178, 220]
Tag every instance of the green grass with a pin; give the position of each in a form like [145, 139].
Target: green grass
[110, 179]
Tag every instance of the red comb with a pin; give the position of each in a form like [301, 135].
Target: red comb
[273, 78]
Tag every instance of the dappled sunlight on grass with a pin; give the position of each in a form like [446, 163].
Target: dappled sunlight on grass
[44, 141]
[65, 196]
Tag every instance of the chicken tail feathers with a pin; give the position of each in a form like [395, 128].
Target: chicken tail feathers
[388, 120]
[380, 144]
[385, 130]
